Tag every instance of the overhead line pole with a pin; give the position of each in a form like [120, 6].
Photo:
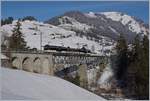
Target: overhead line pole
[40, 37]
[41, 40]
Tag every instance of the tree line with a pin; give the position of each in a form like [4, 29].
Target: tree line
[132, 66]
[9, 20]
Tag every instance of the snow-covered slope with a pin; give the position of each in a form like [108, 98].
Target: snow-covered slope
[91, 14]
[73, 24]
[108, 24]
[32, 29]
[95, 31]
[55, 35]
[125, 19]
[21, 85]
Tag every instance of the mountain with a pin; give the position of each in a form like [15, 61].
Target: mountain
[95, 31]
[108, 24]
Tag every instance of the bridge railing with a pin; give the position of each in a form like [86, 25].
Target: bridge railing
[55, 53]
[21, 51]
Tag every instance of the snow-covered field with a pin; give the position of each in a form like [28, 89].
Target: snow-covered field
[21, 85]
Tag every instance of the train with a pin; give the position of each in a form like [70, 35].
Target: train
[51, 48]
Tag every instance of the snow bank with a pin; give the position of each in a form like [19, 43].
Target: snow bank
[17, 84]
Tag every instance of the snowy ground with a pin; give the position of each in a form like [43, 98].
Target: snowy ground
[21, 85]
[55, 35]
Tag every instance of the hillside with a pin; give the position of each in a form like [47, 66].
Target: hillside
[21, 85]
[95, 31]
[109, 24]
[54, 35]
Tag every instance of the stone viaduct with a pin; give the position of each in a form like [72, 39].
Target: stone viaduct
[51, 62]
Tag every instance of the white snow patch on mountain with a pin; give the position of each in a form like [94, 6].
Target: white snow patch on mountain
[91, 14]
[21, 85]
[73, 24]
[113, 30]
[134, 26]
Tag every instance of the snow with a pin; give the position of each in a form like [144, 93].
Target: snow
[73, 25]
[29, 29]
[113, 15]
[134, 26]
[63, 34]
[105, 77]
[21, 85]
[91, 75]
[91, 14]
[113, 30]
[6, 29]
[78, 42]
[104, 80]
[55, 35]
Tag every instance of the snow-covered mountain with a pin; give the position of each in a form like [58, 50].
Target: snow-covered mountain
[95, 31]
[71, 24]
[109, 24]
[125, 19]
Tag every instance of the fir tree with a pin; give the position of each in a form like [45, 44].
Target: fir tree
[8, 20]
[139, 68]
[30, 18]
[145, 65]
[134, 64]
[17, 41]
[122, 58]
[142, 68]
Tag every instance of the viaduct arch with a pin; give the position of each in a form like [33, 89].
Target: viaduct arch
[49, 63]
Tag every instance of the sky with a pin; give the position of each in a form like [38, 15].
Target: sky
[44, 10]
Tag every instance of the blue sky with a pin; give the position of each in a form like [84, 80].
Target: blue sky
[44, 10]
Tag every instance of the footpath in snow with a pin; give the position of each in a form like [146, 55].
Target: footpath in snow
[21, 85]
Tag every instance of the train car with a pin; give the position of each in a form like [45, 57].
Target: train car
[50, 48]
